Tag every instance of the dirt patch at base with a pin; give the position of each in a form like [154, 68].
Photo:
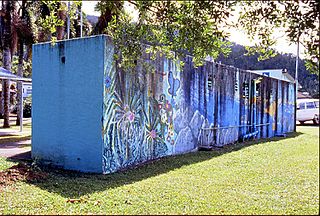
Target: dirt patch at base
[20, 172]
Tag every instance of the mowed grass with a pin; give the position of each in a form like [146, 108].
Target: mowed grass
[5, 164]
[277, 176]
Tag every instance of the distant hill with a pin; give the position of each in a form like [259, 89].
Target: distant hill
[92, 19]
[237, 58]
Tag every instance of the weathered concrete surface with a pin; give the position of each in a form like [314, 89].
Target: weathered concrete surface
[185, 141]
[67, 81]
[104, 119]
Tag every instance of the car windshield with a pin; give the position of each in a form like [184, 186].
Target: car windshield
[301, 106]
[310, 105]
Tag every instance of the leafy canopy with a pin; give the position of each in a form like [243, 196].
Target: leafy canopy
[299, 20]
[177, 28]
[198, 28]
[172, 28]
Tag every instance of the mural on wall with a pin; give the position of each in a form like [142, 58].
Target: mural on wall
[138, 120]
[148, 115]
[123, 128]
[154, 138]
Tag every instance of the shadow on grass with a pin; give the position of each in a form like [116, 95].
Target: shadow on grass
[21, 157]
[309, 124]
[71, 184]
[7, 135]
[10, 140]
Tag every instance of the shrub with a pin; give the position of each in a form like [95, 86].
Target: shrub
[27, 105]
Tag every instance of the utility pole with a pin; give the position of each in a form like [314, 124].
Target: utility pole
[296, 85]
[21, 107]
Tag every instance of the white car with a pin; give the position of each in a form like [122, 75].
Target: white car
[308, 109]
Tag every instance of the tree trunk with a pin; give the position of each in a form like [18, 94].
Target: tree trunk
[2, 100]
[77, 23]
[1, 45]
[6, 89]
[20, 66]
[62, 15]
[19, 83]
[7, 38]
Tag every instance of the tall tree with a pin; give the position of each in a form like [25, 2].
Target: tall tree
[108, 10]
[25, 39]
[8, 39]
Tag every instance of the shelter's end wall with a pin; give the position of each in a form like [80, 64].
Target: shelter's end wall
[67, 103]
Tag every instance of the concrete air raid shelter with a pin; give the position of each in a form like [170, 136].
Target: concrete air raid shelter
[91, 116]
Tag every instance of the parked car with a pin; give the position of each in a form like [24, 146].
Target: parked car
[308, 109]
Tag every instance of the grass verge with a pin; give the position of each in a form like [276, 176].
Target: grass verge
[277, 176]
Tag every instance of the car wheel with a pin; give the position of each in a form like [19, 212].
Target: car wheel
[301, 122]
[316, 120]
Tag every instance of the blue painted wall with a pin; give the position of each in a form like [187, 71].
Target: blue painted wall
[90, 115]
[67, 103]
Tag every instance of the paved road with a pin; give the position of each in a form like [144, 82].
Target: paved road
[15, 150]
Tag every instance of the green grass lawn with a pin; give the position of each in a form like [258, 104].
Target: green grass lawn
[278, 176]
[4, 164]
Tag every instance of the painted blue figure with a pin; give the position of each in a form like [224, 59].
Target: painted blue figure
[174, 84]
[108, 82]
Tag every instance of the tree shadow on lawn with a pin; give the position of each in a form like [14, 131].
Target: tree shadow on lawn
[308, 124]
[70, 184]
[12, 139]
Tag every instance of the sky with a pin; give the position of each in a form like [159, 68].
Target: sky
[235, 35]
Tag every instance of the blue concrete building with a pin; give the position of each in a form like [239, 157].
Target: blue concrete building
[89, 115]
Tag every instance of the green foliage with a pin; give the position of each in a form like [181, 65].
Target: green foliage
[27, 104]
[312, 66]
[50, 22]
[127, 39]
[26, 68]
[173, 29]
[112, 6]
[48, 18]
[5, 164]
[74, 15]
[299, 19]
[198, 28]
[178, 28]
